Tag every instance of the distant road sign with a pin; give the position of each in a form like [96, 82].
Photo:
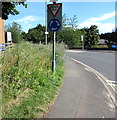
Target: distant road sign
[54, 25]
[54, 8]
[54, 17]
[114, 46]
[9, 37]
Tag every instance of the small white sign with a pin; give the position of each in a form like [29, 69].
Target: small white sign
[46, 33]
[81, 37]
[9, 37]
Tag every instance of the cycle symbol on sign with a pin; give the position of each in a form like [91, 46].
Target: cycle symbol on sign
[54, 25]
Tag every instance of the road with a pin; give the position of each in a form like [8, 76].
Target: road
[103, 62]
[84, 94]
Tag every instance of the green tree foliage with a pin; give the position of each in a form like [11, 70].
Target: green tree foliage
[64, 21]
[69, 34]
[73, 23]
[10, 8]
[36, 34]
[111, 38]
[91, 36]
[77, 38]
[16, 31]
[69, 22]
[66, 36]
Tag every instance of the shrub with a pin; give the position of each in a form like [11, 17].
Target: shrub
[28, 66]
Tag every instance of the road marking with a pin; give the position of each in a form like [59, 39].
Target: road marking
[113, 84]
[87, 69]
[79, 51]
[102, 78]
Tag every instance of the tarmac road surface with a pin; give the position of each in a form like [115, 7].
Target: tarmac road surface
[82, 95]
[103, 61]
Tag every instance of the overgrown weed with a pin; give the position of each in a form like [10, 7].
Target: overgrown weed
[29, 66]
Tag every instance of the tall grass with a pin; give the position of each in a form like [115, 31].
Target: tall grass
[28, 83]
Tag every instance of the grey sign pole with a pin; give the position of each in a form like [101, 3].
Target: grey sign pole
[54, 53]
[46, 33]
[54, 20]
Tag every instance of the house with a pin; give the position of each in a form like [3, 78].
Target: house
[102, 42]
[2, 34]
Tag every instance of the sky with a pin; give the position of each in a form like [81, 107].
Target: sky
[101, 14]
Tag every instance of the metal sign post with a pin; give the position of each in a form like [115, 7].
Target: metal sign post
[46, 33]
[82, 38]
[54, 21]
[54, 53]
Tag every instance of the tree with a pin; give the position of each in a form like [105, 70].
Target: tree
[91, 36]
[69, 33]
[66, 36]
[10, 8]
[69, 22]
[36, 34]
[16, 31]
[73, 23]
[77, 38]
[64, 21]
[111, 38]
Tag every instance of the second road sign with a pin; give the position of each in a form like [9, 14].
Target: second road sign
[54, 25]
[54, 17]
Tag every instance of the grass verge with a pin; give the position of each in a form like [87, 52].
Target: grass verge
[28, 84]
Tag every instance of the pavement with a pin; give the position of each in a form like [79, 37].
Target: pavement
[82, 95]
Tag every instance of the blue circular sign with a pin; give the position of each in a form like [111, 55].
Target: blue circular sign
[54, 25]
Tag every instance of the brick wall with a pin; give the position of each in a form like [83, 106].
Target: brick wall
[2, 37]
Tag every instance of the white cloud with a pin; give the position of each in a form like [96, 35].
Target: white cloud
[29, 22]
[107, 27]
[29, 19]
[103, 27]
[103, 17]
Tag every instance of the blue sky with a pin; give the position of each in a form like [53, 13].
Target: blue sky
[101, 14]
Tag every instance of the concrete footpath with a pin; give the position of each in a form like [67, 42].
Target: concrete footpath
[82, 95]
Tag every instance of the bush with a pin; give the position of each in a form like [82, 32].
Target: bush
[16, 31]
[28, 66]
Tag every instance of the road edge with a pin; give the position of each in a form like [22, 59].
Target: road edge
[102, 78]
